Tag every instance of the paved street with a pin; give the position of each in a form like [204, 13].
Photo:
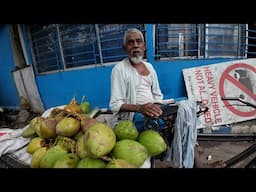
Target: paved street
[211, 151]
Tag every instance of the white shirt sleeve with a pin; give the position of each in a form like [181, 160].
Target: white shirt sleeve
[117, 90]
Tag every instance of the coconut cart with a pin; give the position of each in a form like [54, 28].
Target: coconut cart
[11, 160]
[20, 159]
[17, 145]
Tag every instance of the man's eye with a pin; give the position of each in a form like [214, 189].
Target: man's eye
[139, 40]
[131, 42]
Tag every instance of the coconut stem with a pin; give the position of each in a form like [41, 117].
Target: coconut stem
[83, 98]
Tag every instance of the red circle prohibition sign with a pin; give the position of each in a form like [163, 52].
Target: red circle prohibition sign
[227, 77]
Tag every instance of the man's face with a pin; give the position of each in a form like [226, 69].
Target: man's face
[135, 46]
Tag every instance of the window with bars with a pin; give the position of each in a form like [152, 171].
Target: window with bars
[47, 55]
[224, 40]
[65, 46]
[180, 41]
[111, 39]
[176, 40]
[78, 45]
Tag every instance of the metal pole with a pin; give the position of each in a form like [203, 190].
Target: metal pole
[99, 44]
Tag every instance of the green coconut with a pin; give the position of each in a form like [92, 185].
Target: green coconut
[99, 140]
[85, 106]
[68, 126]
[38, 126]
[66, 143]
[126, 129]
[34, 127]
[51, 156]
[153, 141]
[68, 160]
[119, 163]
[81, 150]
[37, 156]
[48, 128]
[34, 144]
[91, 163]
[29, 131]
[78, 135]
[130, 151]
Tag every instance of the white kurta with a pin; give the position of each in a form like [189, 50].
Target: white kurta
[124, 84]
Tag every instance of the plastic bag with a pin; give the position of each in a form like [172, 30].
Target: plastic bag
[11, 141]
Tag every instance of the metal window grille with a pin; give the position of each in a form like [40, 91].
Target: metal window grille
[65, 46]
[181, 41]
[111, 40]
[46, 52]
[224, 40]
[78, 44]
[250, 43]
[176, 40]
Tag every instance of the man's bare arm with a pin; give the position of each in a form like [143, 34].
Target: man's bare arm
[149, 109]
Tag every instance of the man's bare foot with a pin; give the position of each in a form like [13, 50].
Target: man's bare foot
[215, 164]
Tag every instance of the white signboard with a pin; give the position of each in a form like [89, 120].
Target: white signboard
[211, 83]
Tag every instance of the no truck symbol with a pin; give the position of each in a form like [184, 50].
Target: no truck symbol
[237, 77]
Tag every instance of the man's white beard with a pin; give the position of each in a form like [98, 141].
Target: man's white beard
[136, 60]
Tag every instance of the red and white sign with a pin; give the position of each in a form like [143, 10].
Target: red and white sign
[228, 79]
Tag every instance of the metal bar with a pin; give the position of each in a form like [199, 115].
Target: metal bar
[99, 42]
[240, 100]
[226, 137]
[241, 156]
[251, 164]
[60, 47]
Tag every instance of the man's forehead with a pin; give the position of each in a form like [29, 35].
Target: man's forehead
[134, 35]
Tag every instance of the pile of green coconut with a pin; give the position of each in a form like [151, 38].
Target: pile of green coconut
[72, 138]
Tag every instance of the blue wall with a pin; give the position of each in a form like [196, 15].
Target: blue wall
[94, 83]
[171, 78]
[58, 89]
[8, 93]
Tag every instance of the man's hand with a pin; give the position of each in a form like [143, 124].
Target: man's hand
[150, 109]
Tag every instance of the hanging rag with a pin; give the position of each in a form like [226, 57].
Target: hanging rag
[185, 135]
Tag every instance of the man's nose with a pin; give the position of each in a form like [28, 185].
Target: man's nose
[135, 44]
